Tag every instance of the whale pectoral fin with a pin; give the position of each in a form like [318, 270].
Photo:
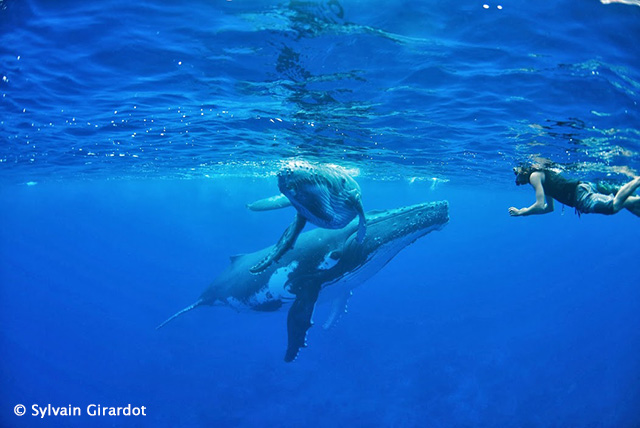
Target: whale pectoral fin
[338, 308]
[272, 203]
[299, 320]
[285, 243]
[362, 226]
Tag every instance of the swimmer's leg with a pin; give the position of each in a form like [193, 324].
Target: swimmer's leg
[624, 193]
[633, 204]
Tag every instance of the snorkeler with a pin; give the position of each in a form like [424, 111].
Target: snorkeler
[584, 196]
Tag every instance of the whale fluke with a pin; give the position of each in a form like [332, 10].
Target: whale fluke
[177, 314]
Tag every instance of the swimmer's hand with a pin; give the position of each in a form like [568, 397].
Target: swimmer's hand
[514, 212]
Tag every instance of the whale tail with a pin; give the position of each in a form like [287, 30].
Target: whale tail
[177, 314]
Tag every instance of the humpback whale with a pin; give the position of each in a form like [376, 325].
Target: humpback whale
[323, 259]
[324, 195]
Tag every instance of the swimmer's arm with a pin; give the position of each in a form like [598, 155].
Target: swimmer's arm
[543, 203]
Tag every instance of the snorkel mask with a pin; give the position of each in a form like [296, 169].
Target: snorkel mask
[522, 175]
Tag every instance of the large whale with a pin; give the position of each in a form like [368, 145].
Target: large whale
[327, 260]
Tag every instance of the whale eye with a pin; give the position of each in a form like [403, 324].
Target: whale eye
[335, 255]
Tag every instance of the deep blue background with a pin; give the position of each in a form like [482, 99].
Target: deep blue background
[493, 321]
[133, 133]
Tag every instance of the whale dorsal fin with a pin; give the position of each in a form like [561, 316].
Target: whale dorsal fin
[236, 257]
[272, 203]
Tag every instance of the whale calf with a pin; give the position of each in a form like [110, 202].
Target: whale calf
[330, 261]
[324, 195]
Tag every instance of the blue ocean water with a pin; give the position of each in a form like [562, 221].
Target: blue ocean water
[133, 134]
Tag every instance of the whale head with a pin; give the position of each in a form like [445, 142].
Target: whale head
[402, 226]
[388, 232]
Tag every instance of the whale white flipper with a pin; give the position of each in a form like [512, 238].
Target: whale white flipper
[338, 308]
[268, 204]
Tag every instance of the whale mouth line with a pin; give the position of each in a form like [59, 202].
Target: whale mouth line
[406, 211]
[403, 230]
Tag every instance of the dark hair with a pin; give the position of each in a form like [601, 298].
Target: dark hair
[523, 171]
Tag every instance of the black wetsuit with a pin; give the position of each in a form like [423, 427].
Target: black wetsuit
[559, 188]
